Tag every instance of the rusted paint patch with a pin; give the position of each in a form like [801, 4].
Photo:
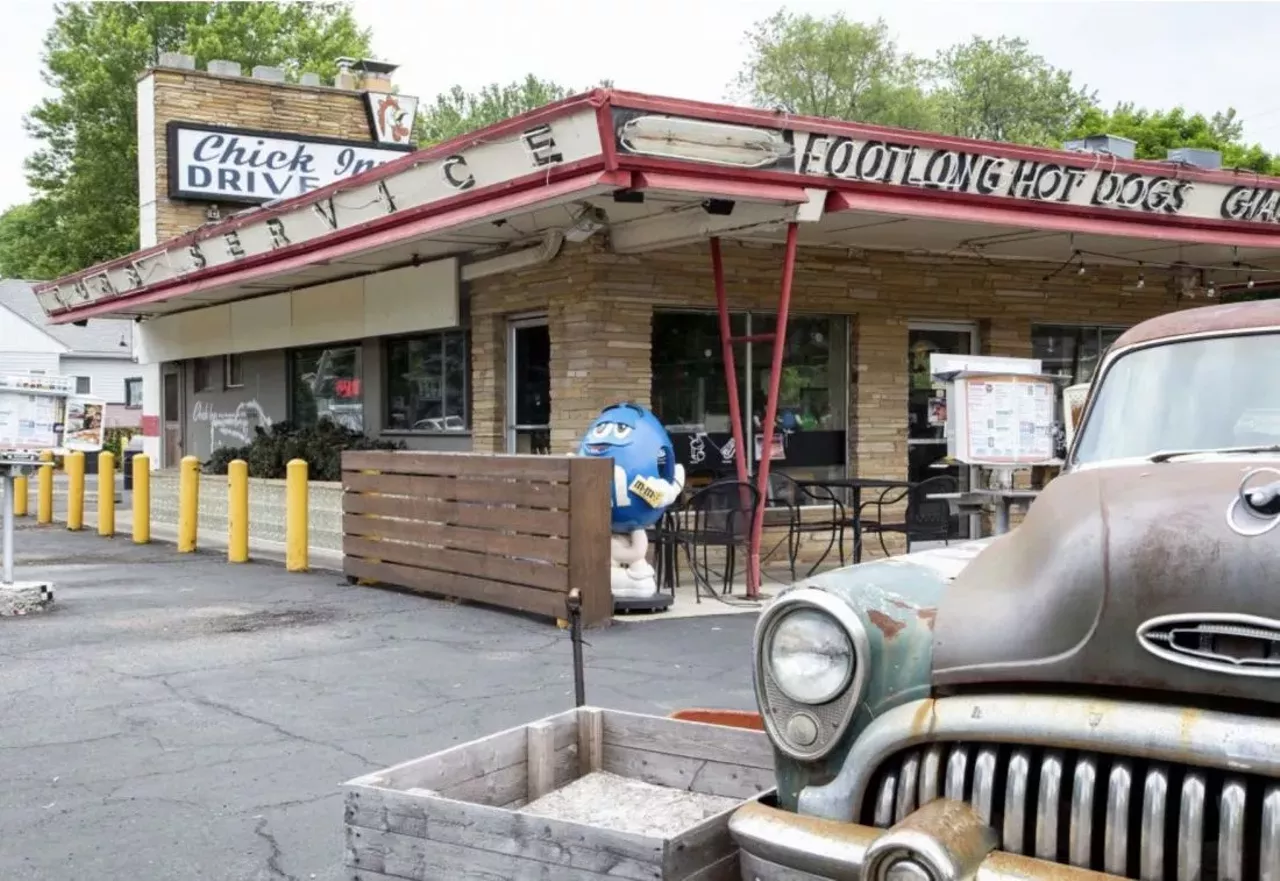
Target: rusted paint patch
[923, 718]
[888, 626]
[928, 616]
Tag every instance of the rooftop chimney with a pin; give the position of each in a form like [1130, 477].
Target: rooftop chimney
[346, 78]
[375, 75]
[1196, 157]
[1107, 145]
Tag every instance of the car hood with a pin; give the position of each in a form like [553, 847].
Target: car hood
[1101, 552]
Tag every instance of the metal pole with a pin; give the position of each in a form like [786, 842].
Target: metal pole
[771, 410]
[574, 602]
[8, 525]
[730, 368]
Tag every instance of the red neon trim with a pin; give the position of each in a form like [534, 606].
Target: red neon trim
[755, 338]
[330, 251]
[701, 185]
[730, 368]
[604, 125]
[1130, 226]
[771, 410]
[821, 125]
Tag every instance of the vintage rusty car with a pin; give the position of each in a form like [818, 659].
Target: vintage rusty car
[1093, 695]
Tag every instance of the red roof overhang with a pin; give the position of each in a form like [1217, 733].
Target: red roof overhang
[920, 206]
[613, 168]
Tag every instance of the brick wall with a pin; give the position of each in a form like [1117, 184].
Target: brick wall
[600, 307]
[242, 102]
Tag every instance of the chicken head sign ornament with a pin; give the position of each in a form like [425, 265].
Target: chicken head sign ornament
[646, 480]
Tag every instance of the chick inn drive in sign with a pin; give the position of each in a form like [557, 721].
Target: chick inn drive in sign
[214, 163]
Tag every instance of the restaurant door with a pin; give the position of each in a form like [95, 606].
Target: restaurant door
[171, 416]
[926, 406]
[529, 386]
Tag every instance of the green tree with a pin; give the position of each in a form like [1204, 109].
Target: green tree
[833, 67]
[1157, 131]
[999, 90]
[458, 111]
[84, 174]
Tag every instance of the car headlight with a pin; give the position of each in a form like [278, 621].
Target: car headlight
[810, 656]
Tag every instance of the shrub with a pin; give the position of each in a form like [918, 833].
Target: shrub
[114, 441]
[320, 446]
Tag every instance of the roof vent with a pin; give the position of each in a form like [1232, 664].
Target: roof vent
[1197, 157]
[1108, 145]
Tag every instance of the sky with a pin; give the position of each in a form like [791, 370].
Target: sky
[1201, 54]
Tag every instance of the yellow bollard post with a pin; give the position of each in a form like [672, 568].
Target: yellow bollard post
[106, 494]
[20, 496]
[44, 489]
[74, 465]
[188, 504]
[295, 517]
[141, 499]
[238, 511]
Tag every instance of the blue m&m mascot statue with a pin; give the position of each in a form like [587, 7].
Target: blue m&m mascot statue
[646, 480]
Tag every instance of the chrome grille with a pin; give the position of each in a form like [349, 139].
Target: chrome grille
[1128, 817]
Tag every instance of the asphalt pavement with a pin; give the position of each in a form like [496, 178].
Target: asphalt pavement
[177, 717]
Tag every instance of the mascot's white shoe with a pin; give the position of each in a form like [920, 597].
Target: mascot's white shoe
[631, 576]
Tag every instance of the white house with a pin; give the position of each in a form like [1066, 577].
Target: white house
[99, 354]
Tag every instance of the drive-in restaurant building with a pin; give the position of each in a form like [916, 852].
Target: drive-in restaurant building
[494, 292]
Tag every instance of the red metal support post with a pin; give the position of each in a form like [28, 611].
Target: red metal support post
[730, 368]
[771, 408]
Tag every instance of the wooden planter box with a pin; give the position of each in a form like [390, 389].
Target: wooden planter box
[511, 806]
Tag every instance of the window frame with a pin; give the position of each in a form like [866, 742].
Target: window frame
[227, 361]
[206, 366]
[291, 377]
[746, 360]
[464, 333]
[1097, 328]
[88, 381]
[129, 382]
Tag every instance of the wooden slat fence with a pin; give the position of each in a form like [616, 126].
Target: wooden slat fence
[513, 531]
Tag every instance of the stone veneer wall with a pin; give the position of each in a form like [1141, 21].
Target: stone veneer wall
[242, 102]
[266, 509]
[600, 309]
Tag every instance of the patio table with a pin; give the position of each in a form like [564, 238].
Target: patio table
[854, 486]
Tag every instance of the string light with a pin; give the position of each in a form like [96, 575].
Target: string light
[1250, 282]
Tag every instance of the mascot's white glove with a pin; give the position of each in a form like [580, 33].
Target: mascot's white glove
[669, 490]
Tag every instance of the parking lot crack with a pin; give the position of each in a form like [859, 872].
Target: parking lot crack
[273, 858]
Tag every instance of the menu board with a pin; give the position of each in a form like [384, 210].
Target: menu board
[29, 421]
[40, 413]
[1002, 419]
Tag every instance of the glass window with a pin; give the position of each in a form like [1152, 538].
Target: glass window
[233, 371]
[690, 397]
[204, 373]
[133, 392]
[1193, 395]
[327, 383]
[84, 385]
[427, 382]
[1072, 353]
